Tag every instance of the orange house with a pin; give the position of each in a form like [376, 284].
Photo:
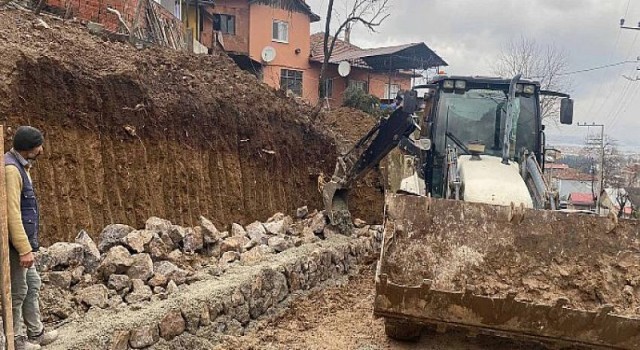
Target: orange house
[271, 39]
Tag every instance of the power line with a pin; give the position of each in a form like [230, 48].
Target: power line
[598, 67]
[611, 53]
[615, 87]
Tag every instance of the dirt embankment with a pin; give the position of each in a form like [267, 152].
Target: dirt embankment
[135, 133]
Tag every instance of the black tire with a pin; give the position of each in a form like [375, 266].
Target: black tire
[402, 329]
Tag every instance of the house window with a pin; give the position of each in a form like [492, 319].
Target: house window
[391, 93]
[226, 24]
[291, 80]
[326, 89]
[359, 84]
[280, 31]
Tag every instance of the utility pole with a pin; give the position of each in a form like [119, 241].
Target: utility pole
[592, 142]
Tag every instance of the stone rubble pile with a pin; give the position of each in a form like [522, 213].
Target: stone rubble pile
[229, 304]
[130, 266]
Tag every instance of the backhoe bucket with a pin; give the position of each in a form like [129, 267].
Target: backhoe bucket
[555, 278]
[336, 206]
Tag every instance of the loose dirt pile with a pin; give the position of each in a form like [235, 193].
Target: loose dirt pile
[134, 133]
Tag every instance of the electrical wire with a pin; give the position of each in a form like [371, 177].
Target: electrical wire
[597, 68]
[622, 100]
[615, 46]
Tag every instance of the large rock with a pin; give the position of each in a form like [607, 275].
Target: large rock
[61, 279]
[177, 233]
[276, 217]
[193, 240]
[136, 240]
[95, 295]
[172, 287]
[76, 274]
[175, 256]
[172, 324]
[112, 236]
[170, 271]
[318, 223]
[144, 336]
[234, 243]
[140, 292]
[302, 212]
[117, 260]
[158, 281]
[275, 227]
[256, 255]
[237, 230]
[119, 282]
[308, 236]
[210, 233]
[257, 233]
[158, 225]
[120, 340]
[229, 257]
[142, 267]
[279, 244]
[60, 255]
[279, 227]
[158, 247]
[91, 251]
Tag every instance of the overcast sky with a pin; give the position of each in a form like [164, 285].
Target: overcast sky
[469, 35]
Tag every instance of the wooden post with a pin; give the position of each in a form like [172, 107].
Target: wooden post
[5, 271]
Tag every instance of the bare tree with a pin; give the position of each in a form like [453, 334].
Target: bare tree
[546, 64]
[620, 172]
[370, 13]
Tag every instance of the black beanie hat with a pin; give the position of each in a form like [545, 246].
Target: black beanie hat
[27, 138]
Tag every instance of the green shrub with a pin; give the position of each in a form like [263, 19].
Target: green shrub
[355, 97]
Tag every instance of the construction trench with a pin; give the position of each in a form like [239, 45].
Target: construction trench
[181, 204]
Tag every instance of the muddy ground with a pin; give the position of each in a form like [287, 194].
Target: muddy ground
[341, 317]
[134, 133]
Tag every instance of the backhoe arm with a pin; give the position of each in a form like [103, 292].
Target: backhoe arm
[366, 154]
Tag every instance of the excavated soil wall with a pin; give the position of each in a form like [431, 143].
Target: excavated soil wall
[137, 133]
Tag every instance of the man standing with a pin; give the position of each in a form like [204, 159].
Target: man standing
[23, 218]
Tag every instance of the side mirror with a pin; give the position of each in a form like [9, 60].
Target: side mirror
[566, 111]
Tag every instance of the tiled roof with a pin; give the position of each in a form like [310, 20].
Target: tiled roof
[581, 198]
[571, 174]
[549, 165]
[366, 58]
[341, 47]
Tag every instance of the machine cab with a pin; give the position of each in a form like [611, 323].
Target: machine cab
[459, 111]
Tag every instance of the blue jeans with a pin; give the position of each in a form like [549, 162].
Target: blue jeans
[25, 295]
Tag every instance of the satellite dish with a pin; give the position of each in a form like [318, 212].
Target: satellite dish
[344, 68]
[268, 54]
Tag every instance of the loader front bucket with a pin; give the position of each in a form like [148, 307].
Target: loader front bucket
[556, 278]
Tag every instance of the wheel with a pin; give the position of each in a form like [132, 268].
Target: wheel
[401, 329]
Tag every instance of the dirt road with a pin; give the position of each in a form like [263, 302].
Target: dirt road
[341, 317]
